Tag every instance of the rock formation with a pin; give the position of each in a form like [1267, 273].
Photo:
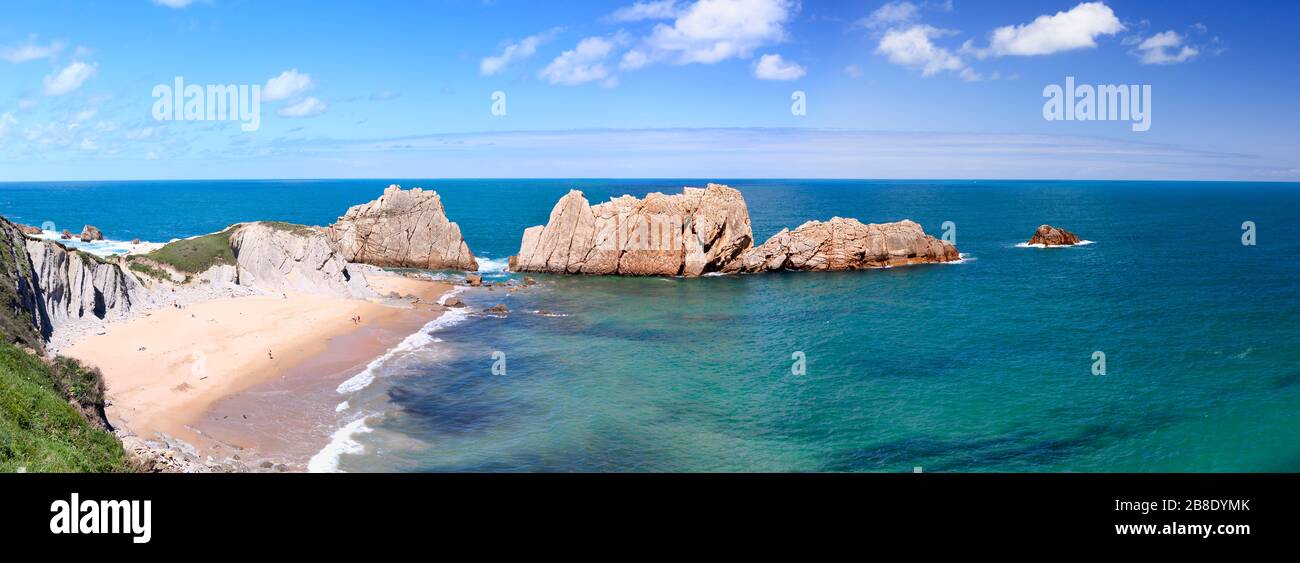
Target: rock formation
[692, 233]
[847, 244]
[707, 230]
[1048, 235]
[280, 257]
[403, 228]
[47, 285]
[91, 233]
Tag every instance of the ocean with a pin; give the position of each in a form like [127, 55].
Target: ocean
[984, 365]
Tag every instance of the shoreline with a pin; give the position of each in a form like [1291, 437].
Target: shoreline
[191, 377]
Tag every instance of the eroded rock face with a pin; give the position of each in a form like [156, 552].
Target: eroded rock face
[91, 233]
[71, 285]
[1048, 235]
[403, 228]
[688, 234]
[847, 244]
[275, 257]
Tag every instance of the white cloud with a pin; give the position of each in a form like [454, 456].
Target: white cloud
[853, 71]
[287, 85]
[513, 52]
[710, 31]
[913, 47]
[1076, 29]
[7, 120]
[584, 63]
[306, 107]
[1166, 47]
[653, 10]
[890, 15]
[68, 78]
[773, 67]
[30, 51]
[173, 3]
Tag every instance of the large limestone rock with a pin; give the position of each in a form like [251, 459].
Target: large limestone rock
[403, 228]
[688, 234]
[1048, 235]
[280, 257]
[847, 244]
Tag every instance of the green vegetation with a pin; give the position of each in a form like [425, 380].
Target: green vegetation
[40, 431]
[148, 270]
[197, 254]
[17, 297]
[300, 230]
[94, 258]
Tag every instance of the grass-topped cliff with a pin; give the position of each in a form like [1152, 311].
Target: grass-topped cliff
[40, 428]
[194, 255]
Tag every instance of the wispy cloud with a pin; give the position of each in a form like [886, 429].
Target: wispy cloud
[711, 31]
[516, 51]
[68, 78]
[652, 10]
[30, 51]
[1166, 47]
[584, 63]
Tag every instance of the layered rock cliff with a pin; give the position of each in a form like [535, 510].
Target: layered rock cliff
[282, 257]
[48, 285]
[692, 233]
[403, 228]
[847, 244]
[1048, 235]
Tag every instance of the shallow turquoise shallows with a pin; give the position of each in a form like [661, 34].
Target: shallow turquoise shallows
[985, 365]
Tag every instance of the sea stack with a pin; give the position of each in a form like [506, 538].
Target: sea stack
[1048, 235]
[91, 233]
[688, 234]
[707, 230]
[404, 229]
[847, 244]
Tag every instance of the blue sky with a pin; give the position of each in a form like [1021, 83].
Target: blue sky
[649, 88]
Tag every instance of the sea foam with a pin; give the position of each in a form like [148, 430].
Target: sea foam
[410, 343]
[1080, 243]
[101, 248]
[341, 442]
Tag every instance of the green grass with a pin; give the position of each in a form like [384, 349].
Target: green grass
[196, 255]
[150, 271]
[301, 230]
[40, 431]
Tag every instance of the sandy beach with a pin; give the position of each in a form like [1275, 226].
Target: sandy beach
[165, 370]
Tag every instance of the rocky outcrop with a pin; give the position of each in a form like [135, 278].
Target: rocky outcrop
[1048, 235]
[847, 244]
[403, 228]
[76, 285]
[91, 233]
[688, 234]
[280, 257]
[46, 285]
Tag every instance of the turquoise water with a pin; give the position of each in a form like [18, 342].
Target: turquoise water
[979, 366]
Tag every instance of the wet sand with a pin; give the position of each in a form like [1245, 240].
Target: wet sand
[250, 376]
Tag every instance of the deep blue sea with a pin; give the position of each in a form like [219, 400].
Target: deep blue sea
[986, 365]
